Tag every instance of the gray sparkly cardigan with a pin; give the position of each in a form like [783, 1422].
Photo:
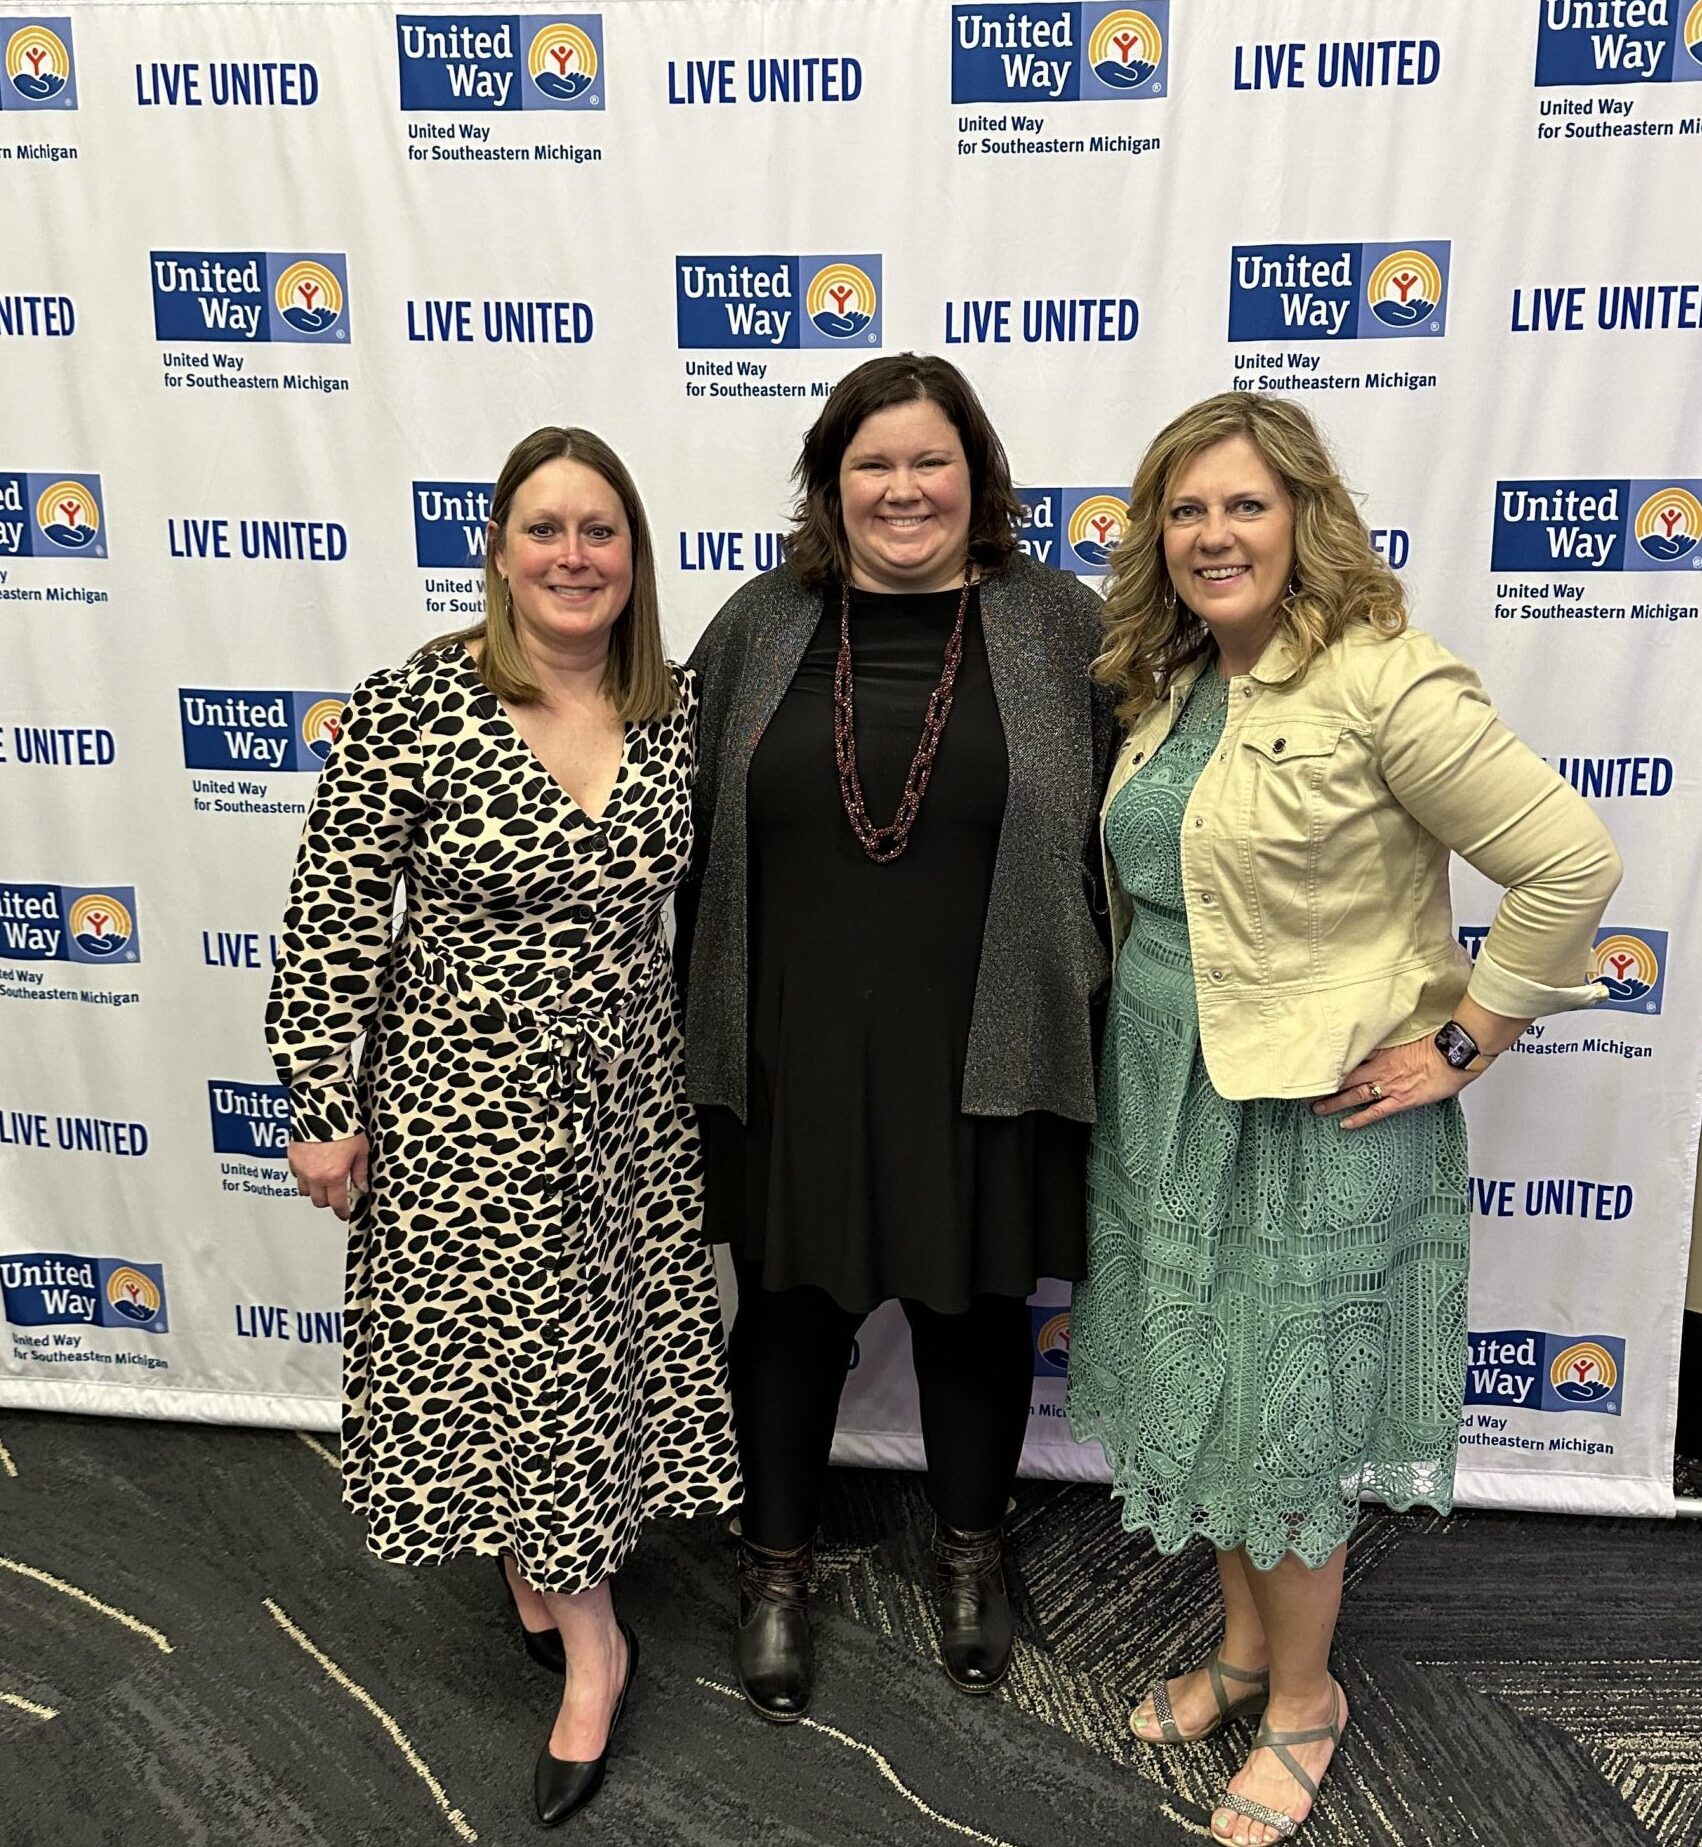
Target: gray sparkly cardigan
[1043, 955]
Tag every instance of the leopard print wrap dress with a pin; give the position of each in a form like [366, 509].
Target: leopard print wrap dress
[533, 1347]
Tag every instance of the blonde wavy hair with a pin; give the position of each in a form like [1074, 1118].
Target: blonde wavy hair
[1339, 579]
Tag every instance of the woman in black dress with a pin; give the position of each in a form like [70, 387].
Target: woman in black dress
[888, 1025]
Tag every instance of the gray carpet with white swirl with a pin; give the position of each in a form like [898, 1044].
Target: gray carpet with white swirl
[195, 1648]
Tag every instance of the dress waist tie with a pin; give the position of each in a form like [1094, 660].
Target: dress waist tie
[564, 1050]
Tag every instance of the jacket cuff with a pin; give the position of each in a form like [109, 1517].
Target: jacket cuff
[1501, 991]
[324, 1112]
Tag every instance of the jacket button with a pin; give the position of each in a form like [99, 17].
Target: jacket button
[1217, 974]
[1199, 820]
[1137, 756]
[1279, 747]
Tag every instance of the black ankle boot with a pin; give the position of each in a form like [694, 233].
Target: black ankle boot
[975, 1608]
[776, 1656]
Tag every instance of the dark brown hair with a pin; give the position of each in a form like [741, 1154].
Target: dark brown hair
[816, 548]
[637, 679]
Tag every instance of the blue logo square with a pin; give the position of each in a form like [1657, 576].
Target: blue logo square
[307, 297]
[840, 301]
[1573, 48]
[1051, 1332]
[1583, 1372]
[40, 63]
[1016, 53]
[1573, 528]
[1125, 51]
[66, 1289]
[562, 56]
[1294, 291]
[1406, 290]
[1072, 528]
[52, 516]
[1663, 525]
[250, 1119]
[1632, 966]
[451, 519]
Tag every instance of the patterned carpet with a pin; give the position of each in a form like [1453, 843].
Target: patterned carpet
[195, 1648]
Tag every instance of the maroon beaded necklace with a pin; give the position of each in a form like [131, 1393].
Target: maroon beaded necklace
[884, 844]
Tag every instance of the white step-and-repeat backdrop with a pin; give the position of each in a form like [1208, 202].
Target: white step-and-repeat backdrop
[281, 283]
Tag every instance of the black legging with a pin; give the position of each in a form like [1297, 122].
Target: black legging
[788, 1355]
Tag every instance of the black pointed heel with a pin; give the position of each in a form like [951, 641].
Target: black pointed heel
[544, 1647]
[560, 1785]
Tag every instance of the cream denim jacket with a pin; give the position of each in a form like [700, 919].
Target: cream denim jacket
[1315, 862]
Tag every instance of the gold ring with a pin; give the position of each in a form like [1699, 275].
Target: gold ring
[1376, 1091]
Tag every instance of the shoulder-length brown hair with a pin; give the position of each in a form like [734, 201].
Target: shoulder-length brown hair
[816, 548]
[637, 679]
[1339, 578]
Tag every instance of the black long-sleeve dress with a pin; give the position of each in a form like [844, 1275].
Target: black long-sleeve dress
[857, 1170]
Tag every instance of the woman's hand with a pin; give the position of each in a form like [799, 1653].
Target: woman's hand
[330, 1173]
[1398, 1077]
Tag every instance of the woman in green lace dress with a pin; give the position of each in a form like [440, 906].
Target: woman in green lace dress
[1274, 1321]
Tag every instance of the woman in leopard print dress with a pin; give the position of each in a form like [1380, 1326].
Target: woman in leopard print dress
[533, 1337]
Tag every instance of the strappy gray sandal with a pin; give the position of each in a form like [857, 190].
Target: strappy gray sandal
[1277, 1744]
[1245, 1704]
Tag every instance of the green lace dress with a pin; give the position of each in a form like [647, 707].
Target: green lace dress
[1274, 1321]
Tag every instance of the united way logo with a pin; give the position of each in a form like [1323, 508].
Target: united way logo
[563, 60]
[484, 61]
[778, 302]
[68, 923]
[1590, 525]
[321, 726]
[1631, 965]
[67, 515]
[1524, 1369]
[1405, 288]
[253, 296]
[103, 927]
[1072, 528]
[1051, 1341]
[58, 1288]
[51, 516]
[1093, 528]
[841, 300]
[308, 297]
[451, 523]
[1125, 49]
[250, 1119]
[1618, 41]
[1063, 53]
[40, 73]
[1338, 291]
[226, 730]
[1669, 522]
[1585, 1373]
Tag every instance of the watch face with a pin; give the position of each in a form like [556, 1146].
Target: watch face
[1456, 1045]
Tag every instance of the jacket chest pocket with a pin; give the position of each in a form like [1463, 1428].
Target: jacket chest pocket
[1289, 769]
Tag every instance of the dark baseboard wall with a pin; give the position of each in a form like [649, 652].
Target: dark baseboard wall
[1690, 1387]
